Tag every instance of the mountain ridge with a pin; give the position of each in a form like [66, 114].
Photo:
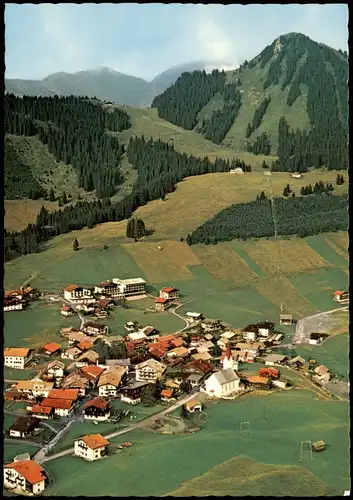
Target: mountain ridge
[104, 83]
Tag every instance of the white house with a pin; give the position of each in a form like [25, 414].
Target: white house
[222, 383]
[91, 447]
[12, 304]
[97, 409]
[110, 380]
[61, 407]
[78, 294]
[250, 333]
[26, 476]
[341, 297]
[149, 371]
[34, 388]
[274, 359]
[17, 357]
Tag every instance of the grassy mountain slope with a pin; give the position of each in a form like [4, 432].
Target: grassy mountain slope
[282, 73]
[103, 83]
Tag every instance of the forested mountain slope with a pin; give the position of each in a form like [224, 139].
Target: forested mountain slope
[290, 100]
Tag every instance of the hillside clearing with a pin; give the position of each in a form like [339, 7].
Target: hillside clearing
[169, 263]
[197, 199]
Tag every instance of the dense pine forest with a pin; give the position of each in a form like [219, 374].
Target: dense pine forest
[303, 216]
[216, 127]
[159, 169]
[181, 103]
[74, 129]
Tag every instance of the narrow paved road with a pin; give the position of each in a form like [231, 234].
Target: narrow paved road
[40, 455]
[301, 333]
[42, 458]
[68, 303]
[174, 311]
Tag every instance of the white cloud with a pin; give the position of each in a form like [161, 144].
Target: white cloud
[68, 49]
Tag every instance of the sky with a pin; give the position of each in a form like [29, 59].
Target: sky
[145, 39]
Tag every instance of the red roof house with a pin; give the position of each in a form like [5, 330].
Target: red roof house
[51, 348]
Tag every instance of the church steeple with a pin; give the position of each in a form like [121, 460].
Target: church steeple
[228, 355]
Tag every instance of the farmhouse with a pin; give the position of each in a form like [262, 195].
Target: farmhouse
[26, 476]
[193, 316]
[34, 388]
[92, 372]
[67, 311]
[23, 427]
[341, 297]
[61, 407]
[132, 393]
[17, 357]
[86, 358]
[131, 287]
[222, 383]
[193, 405]
[110, 380]
[71, 353]
[297, 362]
[161, 304]
[322, 373]
[97, 409]
[77, 294]
[275, 359]
[91, 447]
[285, 319]
[77, 336]
[95, 329]
[149, 371]
[258, 381]
[52, 348]
[39, 411]
[271, 373]
[55, 370]
[169, 293]
[317, 338]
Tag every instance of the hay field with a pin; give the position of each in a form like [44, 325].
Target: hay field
[289, 256]
[242, 476]
[20, 213]
[223, 263]
[343, 253]
[199, 198]
[169, 264]
[279, 290]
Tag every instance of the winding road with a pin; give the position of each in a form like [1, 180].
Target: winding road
[41, 454]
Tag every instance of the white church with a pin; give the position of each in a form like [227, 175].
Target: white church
[226, 381]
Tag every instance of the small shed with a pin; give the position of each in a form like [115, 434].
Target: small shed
[318, 446]
[285, 319]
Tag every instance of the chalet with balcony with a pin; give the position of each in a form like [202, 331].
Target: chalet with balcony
[91, 447]
[131, 287]
[34, 388]
[169, 293]
[265, 328]
[97, 409]
[78, 294]
[149, 371]
[25, 476]
[110, 381]
[13, 304]
[91, 328]
[250, 333]
[71, 353]
[211, 325]
[341, 297]
[87, 358]
[161, 304]
[76, 381]
[132, 393]
[55, 370]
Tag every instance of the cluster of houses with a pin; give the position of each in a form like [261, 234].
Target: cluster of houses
[79, 380]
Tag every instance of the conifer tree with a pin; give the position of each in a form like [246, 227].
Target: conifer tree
[75, 245]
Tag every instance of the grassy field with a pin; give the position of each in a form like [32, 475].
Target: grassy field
[185, 209]
[290, 417]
